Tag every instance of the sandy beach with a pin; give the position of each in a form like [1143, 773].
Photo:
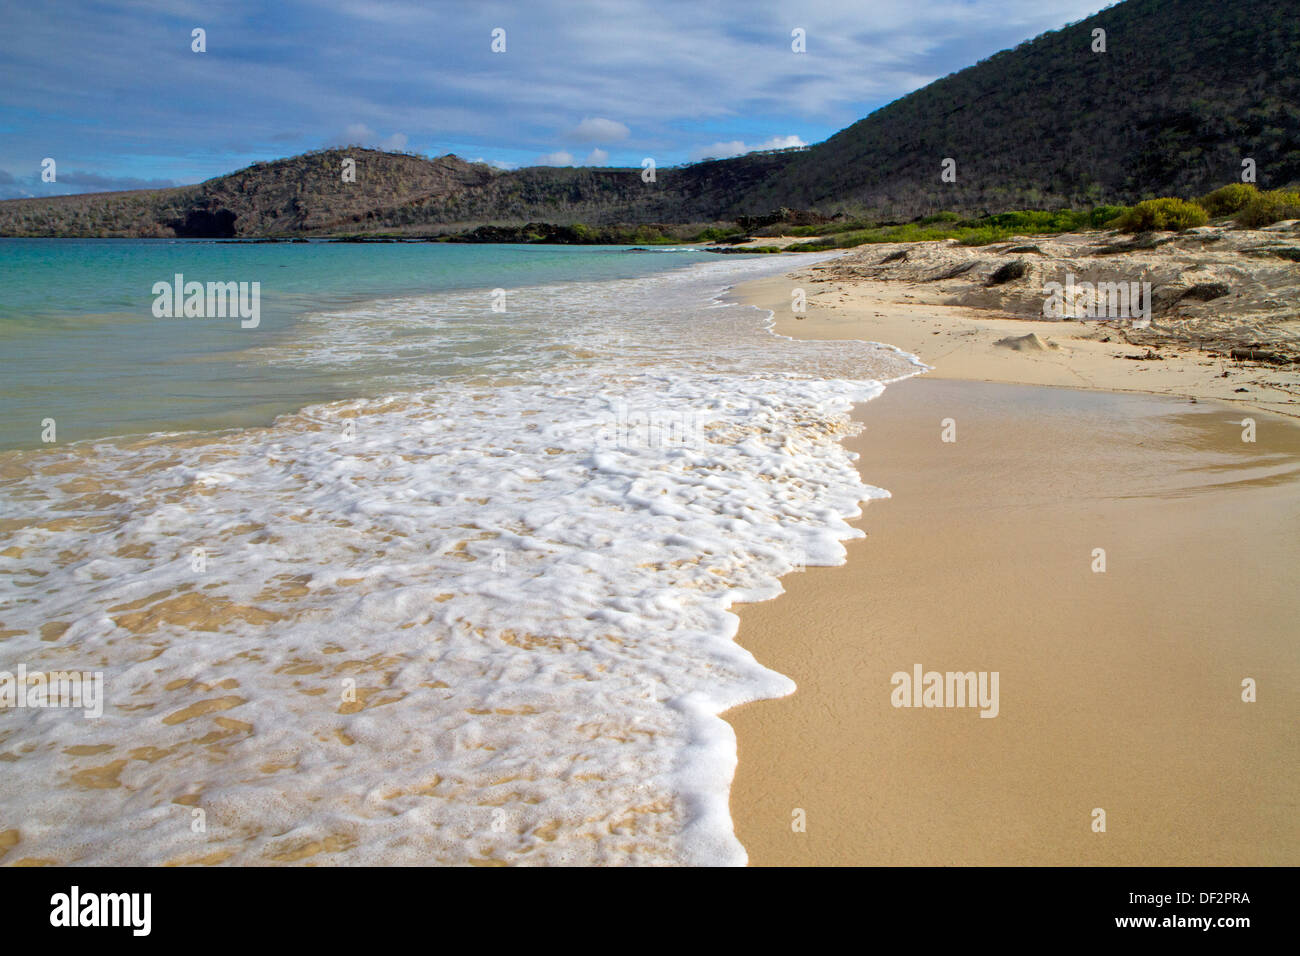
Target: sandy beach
[939, 300]
[1119, 690]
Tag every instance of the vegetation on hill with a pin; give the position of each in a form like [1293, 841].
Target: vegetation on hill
[1249, 208]
[978, 231]
[398, 193]
[1185, 91]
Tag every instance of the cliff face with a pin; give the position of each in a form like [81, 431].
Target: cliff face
[1185, 90]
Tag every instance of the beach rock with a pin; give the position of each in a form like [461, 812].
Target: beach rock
[1009, 272]
[956, 271]
[1143, 242]
[1170, 294]
[1281, 252]
[1207, 291]
[1032, 342]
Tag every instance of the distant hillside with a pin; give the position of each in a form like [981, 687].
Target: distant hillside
[396, 192]
[305, 194]
[1185, 90]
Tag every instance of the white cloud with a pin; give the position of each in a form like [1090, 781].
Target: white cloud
[595, 129]
[362, 134]
[597, 157]
[358, 133]
[719, 150]
[562, 84]
[737, 147]
[560, 158]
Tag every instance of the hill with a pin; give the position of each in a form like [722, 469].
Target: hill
[395, 193]
[1185, 90]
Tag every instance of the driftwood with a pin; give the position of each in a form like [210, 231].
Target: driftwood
[1261, 355]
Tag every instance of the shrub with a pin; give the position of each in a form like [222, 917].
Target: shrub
[1162, 215]
[1103, 216]
[714, 233]
[1228, 200]
[1270, 207]
[830, 228]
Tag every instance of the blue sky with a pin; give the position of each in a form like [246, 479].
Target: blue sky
[114, 94]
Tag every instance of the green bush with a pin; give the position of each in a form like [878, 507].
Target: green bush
[940, 217]
[1033, 221]
[1228, 200]
[646, 236]
[812, 245]
[830, 228]
[1102, 216]
[1163, 215]
[714, 233]
[1270, 207]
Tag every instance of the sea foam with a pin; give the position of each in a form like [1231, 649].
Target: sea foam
[482, 618]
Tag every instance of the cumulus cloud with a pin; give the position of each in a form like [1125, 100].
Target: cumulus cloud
[560, 158]
[569, 82]
[736, 147]
[597, 157]
[596, 129]
[358, 133]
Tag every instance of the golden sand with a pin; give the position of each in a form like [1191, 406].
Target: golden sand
[1119, 690]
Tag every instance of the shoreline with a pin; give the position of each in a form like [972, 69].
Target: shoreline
[1119, 690]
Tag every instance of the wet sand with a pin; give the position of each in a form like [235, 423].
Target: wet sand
[1119, 690]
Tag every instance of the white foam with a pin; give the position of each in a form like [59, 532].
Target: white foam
[529, 582]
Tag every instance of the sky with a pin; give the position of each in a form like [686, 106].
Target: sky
[116, 95]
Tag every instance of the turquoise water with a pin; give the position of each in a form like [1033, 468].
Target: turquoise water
[79, 342]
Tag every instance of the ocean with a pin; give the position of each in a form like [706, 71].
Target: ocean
[432, 565]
